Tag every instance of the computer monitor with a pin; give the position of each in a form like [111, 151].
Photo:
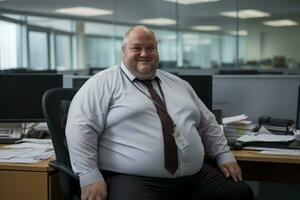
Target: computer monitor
[298, 110]
[21, 96]
[28, 71]
[237, 71]
[202, 84]
[95, 70]
[77, 82]
[45, 71]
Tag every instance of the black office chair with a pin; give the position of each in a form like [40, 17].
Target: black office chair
[55, 105]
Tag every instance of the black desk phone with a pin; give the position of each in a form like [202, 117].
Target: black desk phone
[275, 124]
[265, 119]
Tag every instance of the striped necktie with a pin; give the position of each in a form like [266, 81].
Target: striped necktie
[170, 148]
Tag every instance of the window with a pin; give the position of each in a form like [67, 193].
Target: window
[200, 50]
[99, 52]
[8, 45]
[99, 45]
[63, 51]
[39, 50]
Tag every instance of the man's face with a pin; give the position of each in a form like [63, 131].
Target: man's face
[140, 53]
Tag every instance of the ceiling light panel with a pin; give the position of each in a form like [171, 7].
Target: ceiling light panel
[158, 21]
[240, 33]
[84, 11]
[188, 2]
[206, 28]
[245, 14]
[280, 23]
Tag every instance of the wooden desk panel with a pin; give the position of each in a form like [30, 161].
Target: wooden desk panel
[35, 181]
[269, 168]
[23, 185]
[255, 156]
[41, 166]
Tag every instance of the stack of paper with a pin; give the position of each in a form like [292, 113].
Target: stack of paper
[238, 119]
[265, 138]
[236, 126]
[27, 151]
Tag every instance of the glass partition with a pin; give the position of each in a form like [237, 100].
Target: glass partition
[199, 35]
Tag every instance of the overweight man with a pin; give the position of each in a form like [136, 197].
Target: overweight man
[135, 132]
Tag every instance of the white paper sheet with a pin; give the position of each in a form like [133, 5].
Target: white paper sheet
[26, 152]
[287, 152]
[228, 120]
[265, 138]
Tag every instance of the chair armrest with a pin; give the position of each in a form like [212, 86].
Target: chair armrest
[63, 168]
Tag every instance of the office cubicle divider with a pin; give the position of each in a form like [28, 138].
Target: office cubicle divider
[256, 95]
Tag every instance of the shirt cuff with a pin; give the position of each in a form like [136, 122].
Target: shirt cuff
[90, 177]
[225, 158]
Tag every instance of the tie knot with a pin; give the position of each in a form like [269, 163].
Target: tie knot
[147, 83]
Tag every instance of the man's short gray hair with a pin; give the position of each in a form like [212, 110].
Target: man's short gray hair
[135, 27]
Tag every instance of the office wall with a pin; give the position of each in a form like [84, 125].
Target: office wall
[267, 43]
[253, 46]
[282, 42]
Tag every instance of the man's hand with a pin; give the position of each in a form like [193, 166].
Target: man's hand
[96, 191]
[232, 169]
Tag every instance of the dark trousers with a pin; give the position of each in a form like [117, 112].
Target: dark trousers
[208, 184]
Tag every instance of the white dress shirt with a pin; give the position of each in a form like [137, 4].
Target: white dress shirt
[113, 126]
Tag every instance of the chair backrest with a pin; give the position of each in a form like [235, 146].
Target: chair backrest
[55, 105]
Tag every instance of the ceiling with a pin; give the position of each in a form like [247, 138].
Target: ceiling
[131, 11]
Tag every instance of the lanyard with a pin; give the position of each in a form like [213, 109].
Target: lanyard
[163, 108]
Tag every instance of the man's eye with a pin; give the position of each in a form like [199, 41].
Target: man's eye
[136, 48]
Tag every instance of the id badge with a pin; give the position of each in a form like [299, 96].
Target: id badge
[180, 140]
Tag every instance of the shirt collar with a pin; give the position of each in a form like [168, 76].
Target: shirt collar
[127, 72]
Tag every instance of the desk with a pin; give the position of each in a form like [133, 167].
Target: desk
[269, 168]
[29, 181]
[41, 182]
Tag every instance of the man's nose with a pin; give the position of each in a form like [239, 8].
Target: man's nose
[143, 52]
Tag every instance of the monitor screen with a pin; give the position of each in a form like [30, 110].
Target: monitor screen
[95, 70]
[21, 96]
[298, 110]
[28, 71]
[202, 84]
[77, 82]
[237, 71]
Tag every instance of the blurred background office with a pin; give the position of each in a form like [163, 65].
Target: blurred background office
[206, 36]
